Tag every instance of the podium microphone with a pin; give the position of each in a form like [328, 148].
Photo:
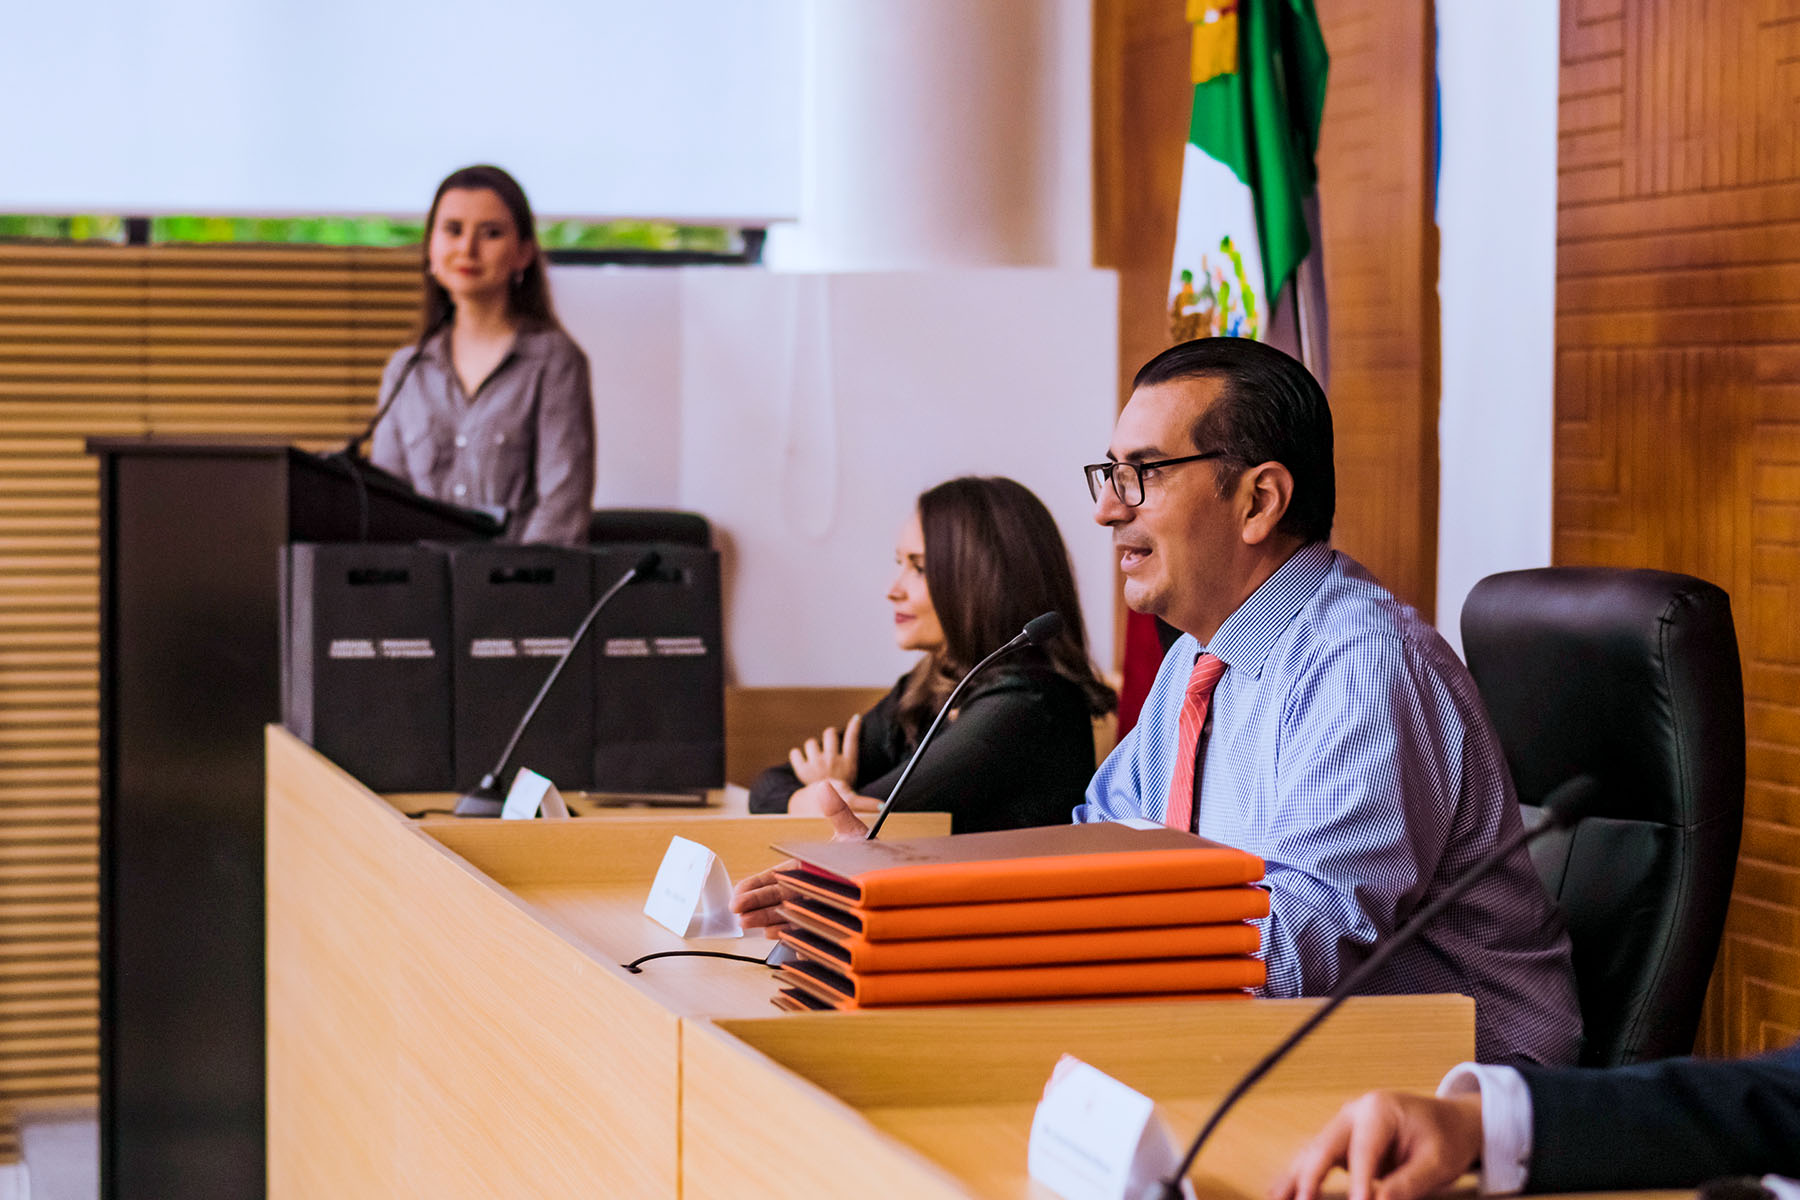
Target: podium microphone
[353, 448]
[1562, 808]
[1037, 631]
[485, 800]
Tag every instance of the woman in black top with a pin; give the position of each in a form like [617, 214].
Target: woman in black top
[978, 558]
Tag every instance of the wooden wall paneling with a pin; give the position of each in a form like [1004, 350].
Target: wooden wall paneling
[1376, 172]
[1678, 389]
[98, 340]
[763, 724]
[1376, 175]
[1142, 100]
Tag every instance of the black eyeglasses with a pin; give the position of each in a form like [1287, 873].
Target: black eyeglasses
[1128, 477]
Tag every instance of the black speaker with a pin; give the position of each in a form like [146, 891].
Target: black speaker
[513, 612]
[659, 673]
[365, 664]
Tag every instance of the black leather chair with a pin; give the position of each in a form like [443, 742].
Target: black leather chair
[1633, 677]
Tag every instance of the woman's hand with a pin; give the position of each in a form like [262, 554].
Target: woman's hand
[827, 756]
[829, 796]
[757, 897]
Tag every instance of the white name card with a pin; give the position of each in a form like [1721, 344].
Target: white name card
[692, 893]
[1093, 1138]
[530, 794]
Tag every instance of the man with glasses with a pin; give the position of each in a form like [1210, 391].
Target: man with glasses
[1305, 715]
[1308, 716]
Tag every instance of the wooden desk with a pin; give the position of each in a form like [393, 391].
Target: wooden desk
[938, 1102]
[448, 1018]
[447, 1012]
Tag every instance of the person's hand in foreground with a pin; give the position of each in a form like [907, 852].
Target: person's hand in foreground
[756, 896]
[828, 756]
[1395, 1146]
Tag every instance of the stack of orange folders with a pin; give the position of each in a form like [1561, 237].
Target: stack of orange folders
[1057, 913]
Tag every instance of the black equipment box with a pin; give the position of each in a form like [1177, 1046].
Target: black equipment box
[659, 673]
[365, 665]
[514, 610]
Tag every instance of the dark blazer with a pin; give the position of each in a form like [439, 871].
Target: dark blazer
[1674, 1123]
[1018, 752]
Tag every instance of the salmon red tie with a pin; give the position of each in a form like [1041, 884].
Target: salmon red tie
[1179, 811]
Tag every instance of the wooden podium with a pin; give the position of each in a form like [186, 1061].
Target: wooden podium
[191, 533]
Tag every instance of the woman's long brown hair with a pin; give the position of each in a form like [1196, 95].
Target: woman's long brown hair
[993, 560]
[528, 300]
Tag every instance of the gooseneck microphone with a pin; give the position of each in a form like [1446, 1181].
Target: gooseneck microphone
[1037, 631]
[485, 800]
[353, 447]
[349, 456]
[1562, 808]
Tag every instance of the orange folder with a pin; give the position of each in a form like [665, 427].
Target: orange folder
[1103, 858]
[790, 999]
[1168, 975]
[819, 911]
[863, 957]
[795, 1000]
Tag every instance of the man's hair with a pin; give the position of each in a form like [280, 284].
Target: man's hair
[1271, 410]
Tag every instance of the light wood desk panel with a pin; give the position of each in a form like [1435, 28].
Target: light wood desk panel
[587, 879]
[938, 1102]
[427, 1035]
[447, 1015]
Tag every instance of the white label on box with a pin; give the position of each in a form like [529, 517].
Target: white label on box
[1093, 1138]
[530, 794]
[692, 893]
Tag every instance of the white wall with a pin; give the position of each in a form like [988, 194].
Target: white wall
[804, 413]
[945, 146]
[815, 408]
[940, 133]
[679, 108]
[628, 320]
[1497, 64]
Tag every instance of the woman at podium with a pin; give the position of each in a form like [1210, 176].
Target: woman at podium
[490, 406]
[976, 559]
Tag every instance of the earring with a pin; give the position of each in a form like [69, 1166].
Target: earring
[518, 278]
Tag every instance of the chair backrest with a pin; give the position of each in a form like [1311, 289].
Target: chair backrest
[1633, 677]
[649, 525]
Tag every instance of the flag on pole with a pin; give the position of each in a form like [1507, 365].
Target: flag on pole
[1246, 260]
[1258, 69]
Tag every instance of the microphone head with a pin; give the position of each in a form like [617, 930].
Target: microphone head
[1041, 629]
[646, 564]
[1570, 801]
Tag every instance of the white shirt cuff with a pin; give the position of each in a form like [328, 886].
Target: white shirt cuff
[1505, 1122]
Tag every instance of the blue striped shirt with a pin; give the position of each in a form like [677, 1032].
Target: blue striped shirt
[1350, 750]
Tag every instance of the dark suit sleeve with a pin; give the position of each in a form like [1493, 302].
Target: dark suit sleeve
[1669, 1124]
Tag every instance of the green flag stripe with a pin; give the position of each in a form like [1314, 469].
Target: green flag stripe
[1263, 123]
[1217, 124]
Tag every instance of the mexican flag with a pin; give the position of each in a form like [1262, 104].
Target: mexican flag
[1259, 93]
[1246, 186]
